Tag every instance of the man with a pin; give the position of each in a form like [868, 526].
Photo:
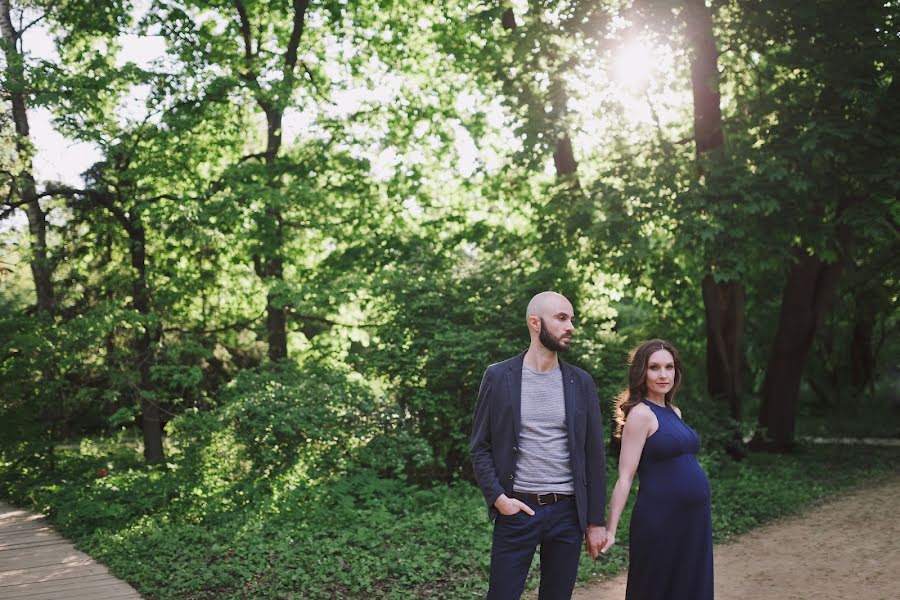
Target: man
[537, 452]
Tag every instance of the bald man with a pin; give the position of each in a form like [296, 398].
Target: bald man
[537, 452]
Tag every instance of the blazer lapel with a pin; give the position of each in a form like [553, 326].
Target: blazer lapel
[569, 398]
[514, 382]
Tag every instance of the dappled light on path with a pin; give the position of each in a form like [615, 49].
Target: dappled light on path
[37, 563]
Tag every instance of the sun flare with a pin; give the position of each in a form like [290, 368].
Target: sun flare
[636, 84]
[634, 65]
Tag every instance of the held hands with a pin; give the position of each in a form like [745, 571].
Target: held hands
[510, 506]
[610, 540]
[595, 539]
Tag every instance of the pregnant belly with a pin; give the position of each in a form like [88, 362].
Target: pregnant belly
[680, 480]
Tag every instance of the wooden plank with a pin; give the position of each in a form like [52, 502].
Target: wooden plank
[63, 552]
[19, 547]
[21, 538]
[25, 525]
[23, 522]
[111, 596]
[84, 581]
[111, 588]
[48, 573]
[36, 563]
[16, 537]
[43, 560]
[11, 515]
[24, 534]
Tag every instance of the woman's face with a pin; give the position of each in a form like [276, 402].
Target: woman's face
[660, 374]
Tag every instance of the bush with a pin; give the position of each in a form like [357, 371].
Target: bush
[313, 417]
[206, 527]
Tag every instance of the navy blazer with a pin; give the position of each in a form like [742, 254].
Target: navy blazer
[495, 434]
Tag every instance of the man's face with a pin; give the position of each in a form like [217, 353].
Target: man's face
[557, 328]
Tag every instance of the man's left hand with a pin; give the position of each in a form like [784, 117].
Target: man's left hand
[594, 538]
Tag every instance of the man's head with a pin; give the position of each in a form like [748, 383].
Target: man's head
[549, 317]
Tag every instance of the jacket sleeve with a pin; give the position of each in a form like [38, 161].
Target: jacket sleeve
[480, 446]
[595, 457]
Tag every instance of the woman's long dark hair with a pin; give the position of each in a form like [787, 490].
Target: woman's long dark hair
[637, 380]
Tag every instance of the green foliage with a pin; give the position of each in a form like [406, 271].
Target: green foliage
[241, 173]
[446, 314]
[206, 526]
[285, 415]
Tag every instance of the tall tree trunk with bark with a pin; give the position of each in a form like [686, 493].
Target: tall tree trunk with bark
[723, 301]
[146, 341]
[270, 268]
[862, 359]
[808, 293]
[41, 268]
[723, 304]
[708, 133]
[269, 265]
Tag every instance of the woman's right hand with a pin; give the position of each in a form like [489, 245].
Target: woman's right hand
[610, 540]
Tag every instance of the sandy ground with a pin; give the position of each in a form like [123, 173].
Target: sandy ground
[848, 548]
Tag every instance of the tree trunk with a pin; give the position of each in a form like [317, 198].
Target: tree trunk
[724, 308]
[862, 360]
[723, 301]
[269, 265]
[41, 268]
[704, 77]
[810, 287]
[508, 20]
[146, 341]
[272, 269]
[564, 158]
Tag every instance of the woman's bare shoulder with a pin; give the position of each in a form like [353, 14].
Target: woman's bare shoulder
[641, 411]
[641, 414]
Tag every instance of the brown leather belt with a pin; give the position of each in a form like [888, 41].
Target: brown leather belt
[541, 499]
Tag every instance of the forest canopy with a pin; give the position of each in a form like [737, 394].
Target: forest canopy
[316, 223]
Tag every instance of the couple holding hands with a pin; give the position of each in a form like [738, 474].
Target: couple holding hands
[538, 455]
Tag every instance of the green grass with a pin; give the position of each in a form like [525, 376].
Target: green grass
[206, 526]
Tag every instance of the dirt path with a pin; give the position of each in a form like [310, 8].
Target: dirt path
[848, 548]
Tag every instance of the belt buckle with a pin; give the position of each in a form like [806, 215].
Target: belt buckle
[541, 503]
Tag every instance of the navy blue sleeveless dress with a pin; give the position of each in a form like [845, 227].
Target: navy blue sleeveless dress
[670, 547]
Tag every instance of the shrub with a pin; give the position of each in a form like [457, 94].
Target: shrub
[312, 417]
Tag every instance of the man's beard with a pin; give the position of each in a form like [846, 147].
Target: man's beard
[551, 343]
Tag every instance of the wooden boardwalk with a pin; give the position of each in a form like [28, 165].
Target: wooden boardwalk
[36, 563]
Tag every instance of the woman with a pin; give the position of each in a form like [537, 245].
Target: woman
[670, 548]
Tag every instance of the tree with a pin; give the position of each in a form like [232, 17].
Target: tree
[829, 139]
[22, 181]
[723, 292]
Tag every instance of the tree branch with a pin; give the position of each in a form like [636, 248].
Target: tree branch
[312, 80]
[247, 35]
[94, 195]
[48, 10]
[7, 213]
[230, 326]
[290, 57]
[331, 323]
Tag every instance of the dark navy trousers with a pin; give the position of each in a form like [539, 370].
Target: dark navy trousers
[555, 529]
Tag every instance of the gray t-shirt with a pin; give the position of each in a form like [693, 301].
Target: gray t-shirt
[543, 463]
